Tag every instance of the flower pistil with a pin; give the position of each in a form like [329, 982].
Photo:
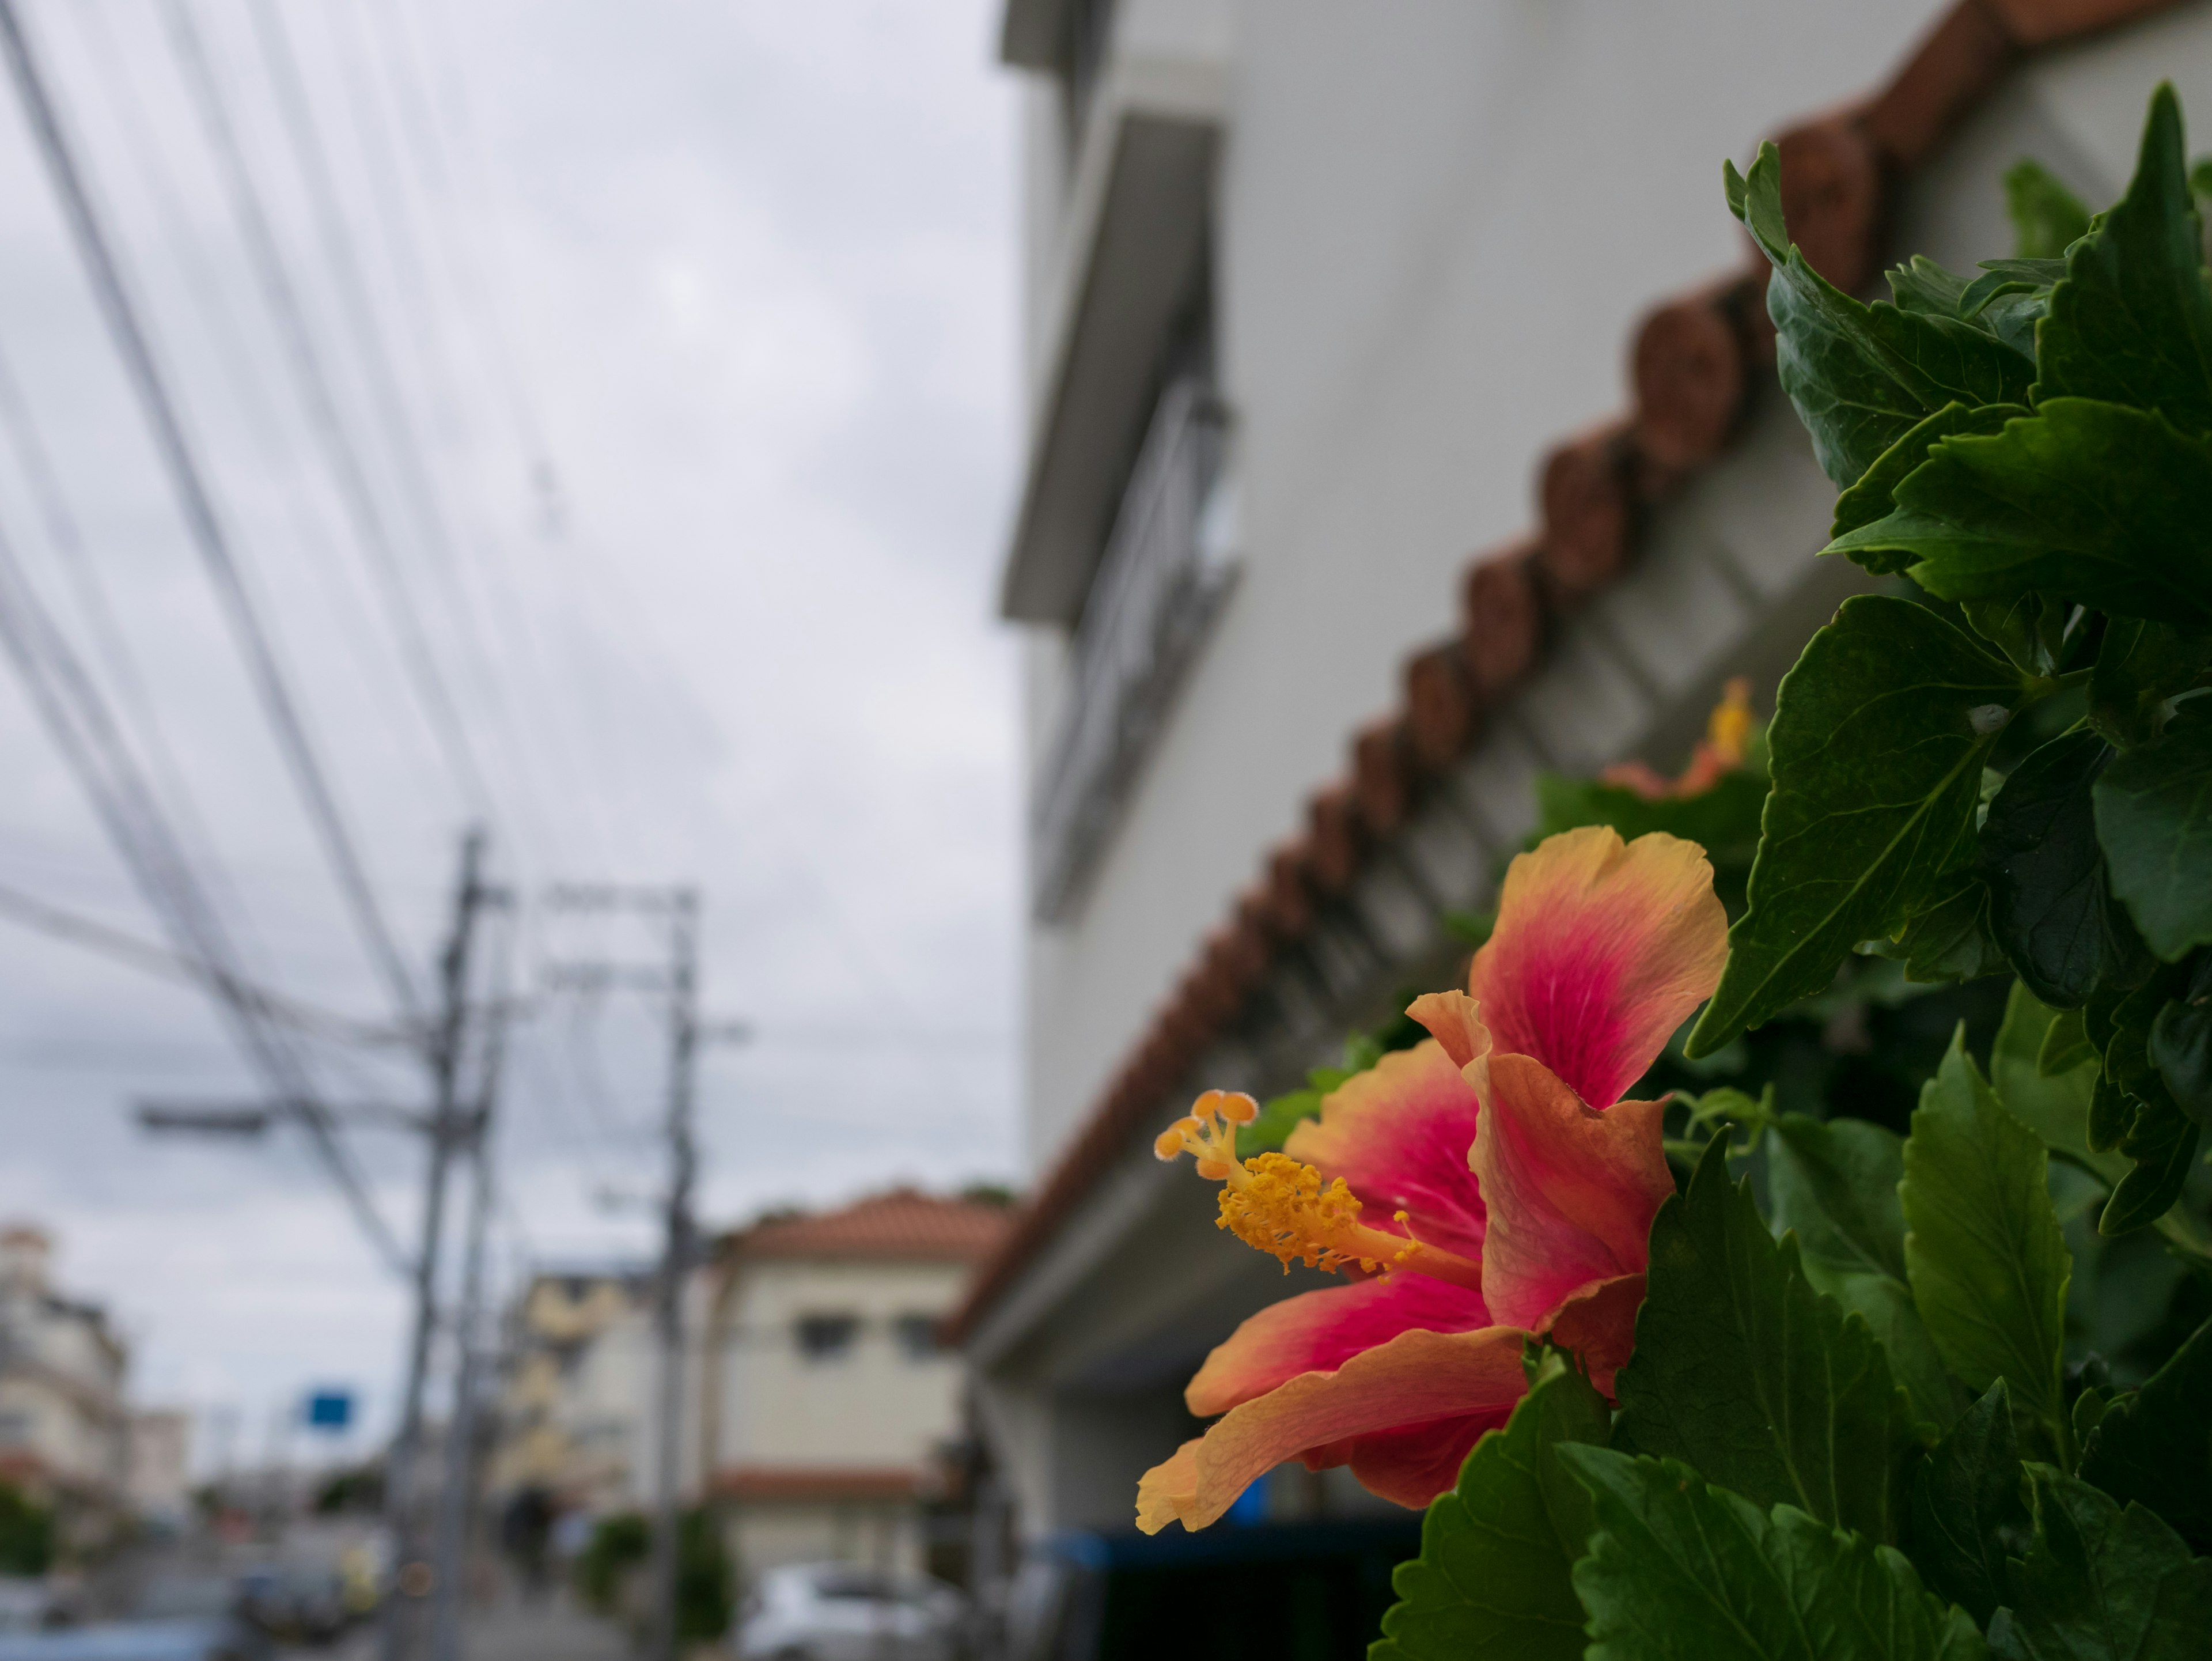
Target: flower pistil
[1281, 1206]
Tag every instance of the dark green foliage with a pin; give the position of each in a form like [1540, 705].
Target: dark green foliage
[2155, 1446]
[1987, 1262]
[2050, 908]
[619, 1542]
[1877, 751]
[2140, 666]
[1495, 1574]
[1742, 1370]
[2102, 1583]
[1682, 1571]
[2131, 1110]
[2181, 1042]
[1969, 1510]
[1862, 376]
[2046, 215]
[1834, 1184]
[1873, 496]
[705, 1580]
[2154, 817]
[2132, 321]
[2102, 504]
[27, 1533]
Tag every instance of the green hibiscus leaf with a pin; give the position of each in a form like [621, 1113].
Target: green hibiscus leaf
[1874, 496]
[2046, 215]
[2029, 629]
[2181, 1043]
[2155, 1447]
[2132, 321]
[1876, 748]
[1834, 1182]
[2102, 1583]
[1983, 1251]
[1950, 940]
[2103, 505]
[1862, 376]
[1969, 1513]
[2050, 908]
[2053, 1103]
[2131, 1110]
[1498, 1552]
[2154, 808]
[1746, 1371]
[1834, 1185]
[1682, 1571]
[2139, 667]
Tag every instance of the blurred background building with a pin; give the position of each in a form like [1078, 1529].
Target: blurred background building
[65, 1431]
[828, 1403]
[1338, 526]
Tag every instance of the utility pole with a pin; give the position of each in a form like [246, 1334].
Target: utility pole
[676, 1259]
[408, 1571]
[680, 983]
[454, 1503]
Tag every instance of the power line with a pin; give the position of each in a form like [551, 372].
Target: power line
[306, 525]
[77, 718]
[182, 464]
[402, 443]
[304, 359]
[121, 946]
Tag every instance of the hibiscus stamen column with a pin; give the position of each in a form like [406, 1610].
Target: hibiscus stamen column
[1281, 1206]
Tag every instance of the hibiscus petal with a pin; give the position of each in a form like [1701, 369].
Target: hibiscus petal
[1415, 1378]
[1601, 950]
[1598, 1324]
[1319, 1331]
[1571, 1191]
[1413, 1466]
[1399, 1134]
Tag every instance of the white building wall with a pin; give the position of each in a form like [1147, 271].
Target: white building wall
[876, 1406]
[1437, 223]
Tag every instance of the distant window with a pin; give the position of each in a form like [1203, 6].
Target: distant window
[827, 1337]
[917, 1336]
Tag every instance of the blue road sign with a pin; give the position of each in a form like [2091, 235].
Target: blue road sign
[330, 1410]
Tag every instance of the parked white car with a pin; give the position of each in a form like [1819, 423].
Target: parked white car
[835, 1612]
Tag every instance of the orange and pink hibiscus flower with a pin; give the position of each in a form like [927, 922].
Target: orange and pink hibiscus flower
[1518, 1190]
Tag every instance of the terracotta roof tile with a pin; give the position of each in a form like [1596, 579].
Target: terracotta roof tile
[904, 1223]
[1836, 171]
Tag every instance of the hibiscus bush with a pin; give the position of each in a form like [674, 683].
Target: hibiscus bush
[1681, 1370]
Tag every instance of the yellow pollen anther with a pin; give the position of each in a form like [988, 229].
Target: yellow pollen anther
[1282, 1207]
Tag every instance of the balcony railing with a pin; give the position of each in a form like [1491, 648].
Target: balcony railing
[1167, 567]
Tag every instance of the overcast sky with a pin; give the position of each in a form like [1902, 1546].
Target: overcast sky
[742, 274]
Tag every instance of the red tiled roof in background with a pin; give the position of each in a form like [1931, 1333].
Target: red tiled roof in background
[1690, 371]
[904, 1224]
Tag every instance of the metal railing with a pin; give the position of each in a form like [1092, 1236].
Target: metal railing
[1160, 582]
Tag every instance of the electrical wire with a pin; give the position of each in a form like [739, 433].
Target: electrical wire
[120, 945]
[181, 462]
[402, 443]
[280, 295]
[77, 718]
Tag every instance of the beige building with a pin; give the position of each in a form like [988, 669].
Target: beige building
[64, 1430]
[158, 1465]
[826, 1399]
[573, 1403]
